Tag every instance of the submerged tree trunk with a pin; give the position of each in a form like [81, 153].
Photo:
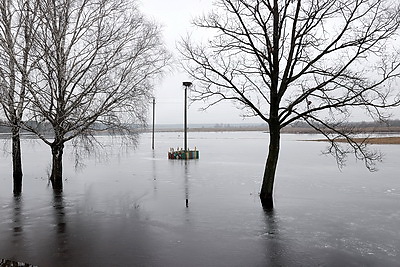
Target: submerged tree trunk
[57, 149]
[266, 194]
[16, 161]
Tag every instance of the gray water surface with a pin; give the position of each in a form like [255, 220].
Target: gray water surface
[134, 207]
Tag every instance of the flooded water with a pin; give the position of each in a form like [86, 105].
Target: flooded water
[137, 208]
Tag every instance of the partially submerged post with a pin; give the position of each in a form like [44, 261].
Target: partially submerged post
[185, 153]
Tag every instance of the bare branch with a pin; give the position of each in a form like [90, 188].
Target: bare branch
[286, 61]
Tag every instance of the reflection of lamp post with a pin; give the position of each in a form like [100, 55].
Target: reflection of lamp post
[186, 184]
[186, 84]
[154, 121]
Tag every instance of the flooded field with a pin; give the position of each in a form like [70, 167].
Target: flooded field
[134, 207]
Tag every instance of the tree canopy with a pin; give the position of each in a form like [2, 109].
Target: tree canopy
[311, 60]
[92, 62]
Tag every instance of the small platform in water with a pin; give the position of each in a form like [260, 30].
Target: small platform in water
[182, 154]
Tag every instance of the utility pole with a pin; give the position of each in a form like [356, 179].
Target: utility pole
[154, 120]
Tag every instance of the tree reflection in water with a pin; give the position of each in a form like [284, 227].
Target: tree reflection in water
[60, 225]
[59, 212]
[17, 217]
[17, 226]
[275, 250]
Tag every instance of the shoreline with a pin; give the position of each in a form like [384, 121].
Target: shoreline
[388, 140]
[288, 130]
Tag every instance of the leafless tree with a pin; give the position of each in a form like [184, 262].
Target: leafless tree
[17, 20]
[290, 60]
[96, 61]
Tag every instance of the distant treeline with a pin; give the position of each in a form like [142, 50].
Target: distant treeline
[4, 129]
[298, 126]
[46, 128]
[360, 124]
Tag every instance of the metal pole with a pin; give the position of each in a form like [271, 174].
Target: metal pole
[185, 118]
[154, 120]
[186, 84]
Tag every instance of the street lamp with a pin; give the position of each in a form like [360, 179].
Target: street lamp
[186, 84]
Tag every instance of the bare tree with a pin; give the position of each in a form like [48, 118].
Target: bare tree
[17, 20]
[96, 63]
[291, 60]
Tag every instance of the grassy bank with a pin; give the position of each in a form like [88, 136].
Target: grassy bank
[389, 140]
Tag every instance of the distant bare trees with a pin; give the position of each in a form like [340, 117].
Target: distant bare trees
[309, 60]
[95, 62]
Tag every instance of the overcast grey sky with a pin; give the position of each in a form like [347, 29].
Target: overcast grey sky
[175, 17]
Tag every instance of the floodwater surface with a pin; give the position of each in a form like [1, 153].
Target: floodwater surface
[134, 207]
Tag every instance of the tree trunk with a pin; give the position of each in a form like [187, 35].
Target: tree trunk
[57, 149]
[266, 194]
[16, 161]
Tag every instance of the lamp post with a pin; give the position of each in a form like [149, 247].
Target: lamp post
[186, 84]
